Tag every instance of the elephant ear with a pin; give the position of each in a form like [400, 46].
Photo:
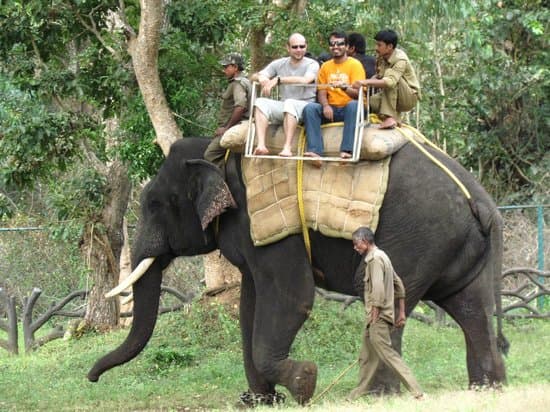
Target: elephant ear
[208, 190]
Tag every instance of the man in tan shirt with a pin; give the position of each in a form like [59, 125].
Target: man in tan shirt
[396, 79]
[234, 106]
[382, 286]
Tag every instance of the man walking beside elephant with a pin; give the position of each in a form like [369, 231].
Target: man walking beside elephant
[382, 285]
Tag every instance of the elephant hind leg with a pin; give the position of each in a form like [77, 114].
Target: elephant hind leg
[472, 309]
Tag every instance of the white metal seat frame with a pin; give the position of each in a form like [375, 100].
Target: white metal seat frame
[357, 137]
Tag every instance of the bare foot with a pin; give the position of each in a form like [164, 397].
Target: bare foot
[286, 152]
[317, 162]
[261, 150]
[389, 123]
[345, 155]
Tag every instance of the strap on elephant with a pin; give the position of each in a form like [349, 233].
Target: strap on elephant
[299, 190]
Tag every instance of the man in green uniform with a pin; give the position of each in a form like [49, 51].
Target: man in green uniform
[234, 108]
[396, 79]
[380, 281]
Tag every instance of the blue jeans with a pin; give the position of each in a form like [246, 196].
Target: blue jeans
[313, 118]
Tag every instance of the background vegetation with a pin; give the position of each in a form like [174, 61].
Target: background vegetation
[193, 362]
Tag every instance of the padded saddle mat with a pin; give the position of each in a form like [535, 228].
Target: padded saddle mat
[376, 144]
[338, 198]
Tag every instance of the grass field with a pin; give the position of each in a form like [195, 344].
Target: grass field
[193, 363]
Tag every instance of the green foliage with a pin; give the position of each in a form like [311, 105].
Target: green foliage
[163, 358]
[143, 157]
[77, 195]
[35, 139]
[483, 67]
[211, 328]
[202, 20]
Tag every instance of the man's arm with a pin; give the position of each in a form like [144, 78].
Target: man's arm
[240, 97]
[391, 77]
[399, 293]
[378, 291]
[401, 318]
[308, 77]
[236, 117]
[357, 74]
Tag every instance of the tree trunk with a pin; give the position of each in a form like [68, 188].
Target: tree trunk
[144, 51]
[102, 245]
[257, 47]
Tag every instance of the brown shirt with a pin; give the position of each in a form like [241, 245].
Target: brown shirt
[382, 285]
[397, 67]
[236, 94]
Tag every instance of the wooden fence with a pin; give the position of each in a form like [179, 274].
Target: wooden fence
[31, 325]
[525, 295]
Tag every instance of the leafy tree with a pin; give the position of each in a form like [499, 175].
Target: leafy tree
[65, 76]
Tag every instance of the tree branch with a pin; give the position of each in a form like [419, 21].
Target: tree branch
[92, 27]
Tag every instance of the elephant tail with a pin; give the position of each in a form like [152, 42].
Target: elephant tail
[146, 303]
[492, 224]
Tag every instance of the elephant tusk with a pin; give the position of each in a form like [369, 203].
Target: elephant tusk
[132, 278]
[127, 299]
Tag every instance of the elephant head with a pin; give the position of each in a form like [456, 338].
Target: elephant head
[177, 207]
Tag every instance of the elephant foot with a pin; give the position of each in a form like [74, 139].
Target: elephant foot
[301, 381]
[250, 399]
[485, 384]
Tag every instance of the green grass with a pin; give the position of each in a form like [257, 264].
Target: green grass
[194, 361]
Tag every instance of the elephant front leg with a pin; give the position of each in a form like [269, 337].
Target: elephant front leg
[282, 306]
[256, 382]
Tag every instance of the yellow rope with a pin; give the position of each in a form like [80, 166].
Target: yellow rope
[425, 139]
[334, 382]
[437, 162]
[373, 118]
[299, 183]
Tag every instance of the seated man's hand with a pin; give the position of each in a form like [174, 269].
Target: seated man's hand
[358, 84]
[328, 113]
[220, 131]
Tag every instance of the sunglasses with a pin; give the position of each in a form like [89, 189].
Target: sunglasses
[298, 46]
[336, 43]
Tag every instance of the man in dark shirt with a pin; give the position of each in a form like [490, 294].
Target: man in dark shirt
[357, 47]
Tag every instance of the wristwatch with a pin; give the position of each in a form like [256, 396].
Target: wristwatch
[278, 79]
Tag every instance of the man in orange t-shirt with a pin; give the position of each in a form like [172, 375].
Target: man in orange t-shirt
[336, 103]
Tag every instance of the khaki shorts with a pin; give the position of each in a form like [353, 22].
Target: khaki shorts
[275, 110]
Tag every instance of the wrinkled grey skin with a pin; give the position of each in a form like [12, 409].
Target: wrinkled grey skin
[445, 248]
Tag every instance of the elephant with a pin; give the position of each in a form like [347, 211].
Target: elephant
[445, 247]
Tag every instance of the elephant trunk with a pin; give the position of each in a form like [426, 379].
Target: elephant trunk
[146, 293]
